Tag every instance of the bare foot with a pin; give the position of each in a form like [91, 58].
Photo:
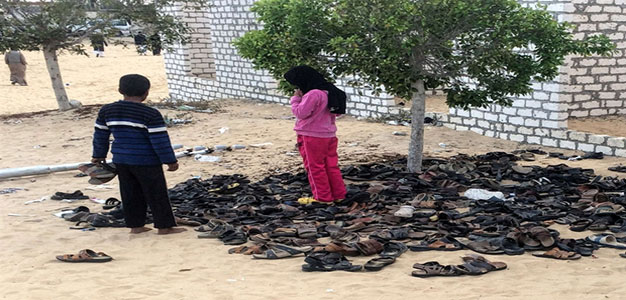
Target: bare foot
[171, 230]
[136, 230]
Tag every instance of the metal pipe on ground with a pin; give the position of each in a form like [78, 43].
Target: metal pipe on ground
[38, 170]
[48, 169]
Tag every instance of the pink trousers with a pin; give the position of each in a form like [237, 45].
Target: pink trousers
[321, 163]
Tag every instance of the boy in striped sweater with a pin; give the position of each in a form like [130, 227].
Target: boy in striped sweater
[140, 146]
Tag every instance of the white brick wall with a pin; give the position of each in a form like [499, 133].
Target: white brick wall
[210, 68]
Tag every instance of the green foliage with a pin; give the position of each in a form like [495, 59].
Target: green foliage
[480, 52]
[64, 24]
[30, 25]
[294, 32]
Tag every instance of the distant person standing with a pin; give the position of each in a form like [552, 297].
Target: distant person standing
[98, 42]
[140, 42]
[17, 65]
[155, 44]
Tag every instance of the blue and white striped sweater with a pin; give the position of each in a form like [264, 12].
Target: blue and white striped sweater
[139, 132]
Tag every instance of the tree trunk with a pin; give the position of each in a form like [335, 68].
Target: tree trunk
[50, 54]
[418, 108]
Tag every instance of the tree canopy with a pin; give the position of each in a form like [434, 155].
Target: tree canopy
[294, 32]
[480, 52]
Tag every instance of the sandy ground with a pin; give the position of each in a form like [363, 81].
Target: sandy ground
[609, 125]
[90, 80]
[437, 104]
[148, 266]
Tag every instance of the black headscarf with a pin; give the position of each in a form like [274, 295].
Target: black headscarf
[307, 79]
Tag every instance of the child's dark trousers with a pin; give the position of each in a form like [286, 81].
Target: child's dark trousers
[140, 187]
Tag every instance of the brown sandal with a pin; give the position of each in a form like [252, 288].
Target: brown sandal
[306, 231]
[260, 238]
[237, 250]
[256, 249]
[369, 247]
[283, 232]
[338, 247]
[556, 253]
[543, 235]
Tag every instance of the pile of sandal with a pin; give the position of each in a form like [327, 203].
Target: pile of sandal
[486, 203]
[387, 205]
[85, 219]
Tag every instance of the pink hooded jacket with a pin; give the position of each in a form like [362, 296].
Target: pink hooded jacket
[313, 116]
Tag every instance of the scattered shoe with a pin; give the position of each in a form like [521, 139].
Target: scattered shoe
[278, 251]
[405, 211]
[85, 256]
[378, 263]
[606, 240]
[323, 261]
[556, 253]
[473, 265]
[77, 195]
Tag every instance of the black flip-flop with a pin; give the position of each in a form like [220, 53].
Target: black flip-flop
[85, 256]
[485, 246]
[433, 268]
[112, 203]
[235, 237]
[511, 247]
[378, 263]
[442, 244]
[105, 221]
[323, 261]
[277, 251]
[393, 249]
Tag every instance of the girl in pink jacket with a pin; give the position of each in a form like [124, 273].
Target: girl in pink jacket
[315, 127]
